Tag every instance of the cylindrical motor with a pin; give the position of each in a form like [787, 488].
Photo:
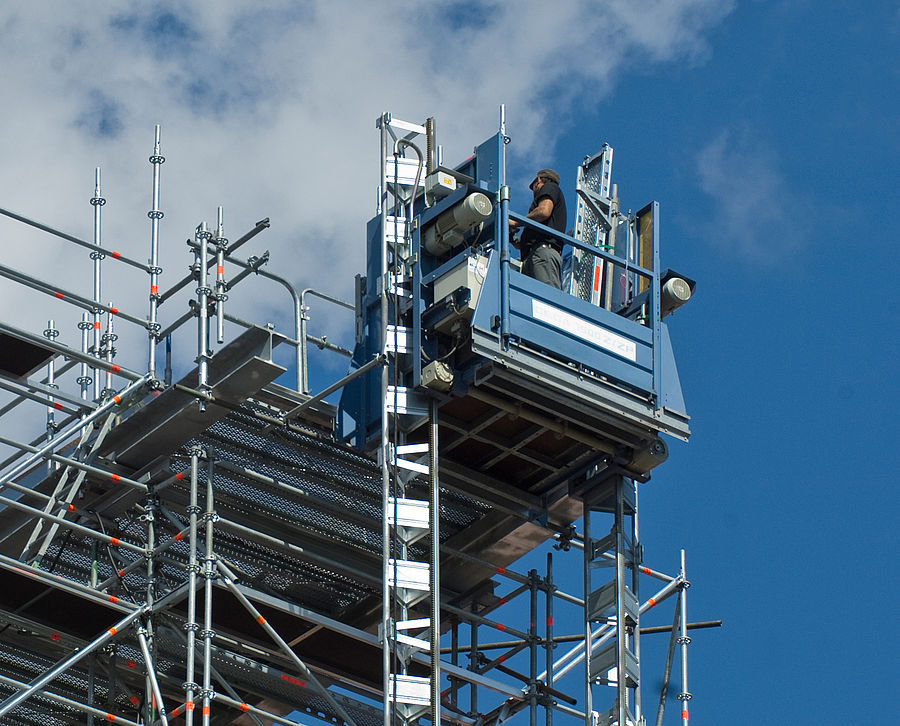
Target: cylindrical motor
[449, 228]
[675, 293]
[653, 453]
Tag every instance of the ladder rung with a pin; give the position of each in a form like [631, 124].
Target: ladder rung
[409, 513]
[413, 466]
[410, 624]
[410, 689]
[409, 575]
[398, 339]
[403, 400]
[403, 171]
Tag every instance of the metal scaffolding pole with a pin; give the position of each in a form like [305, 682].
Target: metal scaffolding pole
[228, 578]
[153, 326]
[683, 640]
[10, 703]
[209, 573]
[190, 685]
[69, 703]
[97, 255]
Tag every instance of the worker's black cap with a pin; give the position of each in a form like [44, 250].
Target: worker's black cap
[545, 174]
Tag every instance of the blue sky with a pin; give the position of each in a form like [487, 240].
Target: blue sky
[766, 129]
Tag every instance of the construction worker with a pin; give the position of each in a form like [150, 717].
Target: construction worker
[542, 254]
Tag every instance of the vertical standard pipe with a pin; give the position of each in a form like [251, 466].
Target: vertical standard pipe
[84, 380]
[588, 556]
[146, 633]
[155, 215]
[504, 235]
[532, 648]
[209, 573]
[473, 661]
[203, 292]
[50, 334]
[109, 348]
[621, 642]
[384, 285]
[302, 375]
[190, 686]
[635, 588]
[221, 243]
[435, 573]
[504, 266]
[670, 656]
[684, 639]
[97, 201]
[549, 632]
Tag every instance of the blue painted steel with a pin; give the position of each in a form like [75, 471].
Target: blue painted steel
[670, 384]
[504, 268]
[655, 317]
[531, 315]
[567, 345]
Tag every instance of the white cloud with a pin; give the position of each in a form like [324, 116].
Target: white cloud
[268, 109]
[755, 213]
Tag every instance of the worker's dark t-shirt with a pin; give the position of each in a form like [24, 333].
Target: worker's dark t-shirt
[532, 238]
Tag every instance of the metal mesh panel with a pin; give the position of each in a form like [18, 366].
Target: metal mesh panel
[592, 177]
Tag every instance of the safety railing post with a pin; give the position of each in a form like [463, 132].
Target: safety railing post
[51, 333]
[97, 201]
[202, 236]
[153, 327]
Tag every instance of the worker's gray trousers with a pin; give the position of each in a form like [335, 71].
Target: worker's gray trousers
[544, 264]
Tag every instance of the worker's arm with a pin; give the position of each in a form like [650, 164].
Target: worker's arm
[541, 213]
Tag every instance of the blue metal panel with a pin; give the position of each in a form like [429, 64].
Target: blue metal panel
[489, 163]
[670, 386]
[568, 328]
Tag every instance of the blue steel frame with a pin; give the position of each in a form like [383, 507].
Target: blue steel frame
[487, 166]
[502, 311]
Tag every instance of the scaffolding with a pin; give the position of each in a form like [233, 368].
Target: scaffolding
[226, 549]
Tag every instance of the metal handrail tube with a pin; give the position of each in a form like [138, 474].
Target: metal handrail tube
[177, 324]
[378, 360]
[62, 700]
[295, 296]
[65, 295]
[74, 464]
[472, 617]
[51, 392]
[65, 435]
[320, 343]
[303, 336]
[61, 521]
[35, 396]
[63, 583]
[590, 249]
[185, 281]
[51, 674]
[21, 399]
[76, 240]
